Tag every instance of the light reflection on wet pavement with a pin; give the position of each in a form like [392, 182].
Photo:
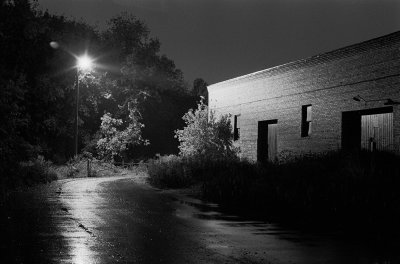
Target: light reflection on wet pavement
[115, 220]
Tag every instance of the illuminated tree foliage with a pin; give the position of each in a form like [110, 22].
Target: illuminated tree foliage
[205, 137]
[151, 79]
[117, 136]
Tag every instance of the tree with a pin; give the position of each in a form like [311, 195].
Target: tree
[150, 78]
[45, 99]
[200, 88]
[205, 137]
[37, 84]
[117, 136]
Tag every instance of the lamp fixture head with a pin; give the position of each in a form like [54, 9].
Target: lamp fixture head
[84, 62]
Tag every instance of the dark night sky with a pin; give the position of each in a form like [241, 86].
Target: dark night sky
[221, 39]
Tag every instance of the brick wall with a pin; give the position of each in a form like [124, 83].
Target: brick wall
[328, 82]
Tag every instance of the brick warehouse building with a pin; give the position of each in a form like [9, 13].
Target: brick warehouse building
[347, 98]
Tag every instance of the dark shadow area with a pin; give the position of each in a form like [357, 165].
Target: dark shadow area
[338, 245]
[351, 131]
[24, 222]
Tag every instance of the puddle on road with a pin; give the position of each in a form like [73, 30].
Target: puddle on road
[264, 241]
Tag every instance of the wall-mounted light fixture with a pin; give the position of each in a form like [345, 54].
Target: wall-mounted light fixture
[389, 101]
[358, 98]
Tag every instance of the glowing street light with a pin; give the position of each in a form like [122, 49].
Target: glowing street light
[84, 63]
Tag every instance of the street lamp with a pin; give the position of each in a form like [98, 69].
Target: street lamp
[83, 63]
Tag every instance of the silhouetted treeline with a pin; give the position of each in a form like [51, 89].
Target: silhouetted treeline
[37, 82]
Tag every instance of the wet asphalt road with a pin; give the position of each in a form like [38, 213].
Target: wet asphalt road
[106, 220]
[117, 220]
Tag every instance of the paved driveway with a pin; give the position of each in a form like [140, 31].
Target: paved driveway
[104, 220]
[117, 220]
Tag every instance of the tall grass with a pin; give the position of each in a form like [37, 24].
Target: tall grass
[170, 172]
[338, 187]
[32, 172]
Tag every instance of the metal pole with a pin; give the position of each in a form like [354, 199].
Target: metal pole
[77, 112]
[88, 167]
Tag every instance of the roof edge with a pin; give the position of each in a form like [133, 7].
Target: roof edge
[343, 52]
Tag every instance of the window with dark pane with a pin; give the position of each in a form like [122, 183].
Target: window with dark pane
[306, 120]
[236, 127]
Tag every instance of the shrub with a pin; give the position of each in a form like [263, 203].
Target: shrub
[169, 172]
[117, 136]
[204, 137]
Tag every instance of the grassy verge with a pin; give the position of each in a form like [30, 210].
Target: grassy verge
[31, 172]
[39, 171]
[77, 168]
[347, 190]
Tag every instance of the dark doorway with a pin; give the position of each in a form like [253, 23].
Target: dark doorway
[351, 130]
[267, 140]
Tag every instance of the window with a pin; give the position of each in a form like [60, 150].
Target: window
[306, 119]
[236, 128]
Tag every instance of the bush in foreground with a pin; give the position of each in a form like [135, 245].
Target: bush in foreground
[169, 172]
[345, 189]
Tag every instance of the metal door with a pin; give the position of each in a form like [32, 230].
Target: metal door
[377, 132]
[272, 141]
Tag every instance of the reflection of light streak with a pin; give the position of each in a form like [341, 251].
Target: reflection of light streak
[81, 254]
[82, 202]
[83, 199]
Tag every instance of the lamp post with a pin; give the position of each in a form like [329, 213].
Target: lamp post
[83, 63]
